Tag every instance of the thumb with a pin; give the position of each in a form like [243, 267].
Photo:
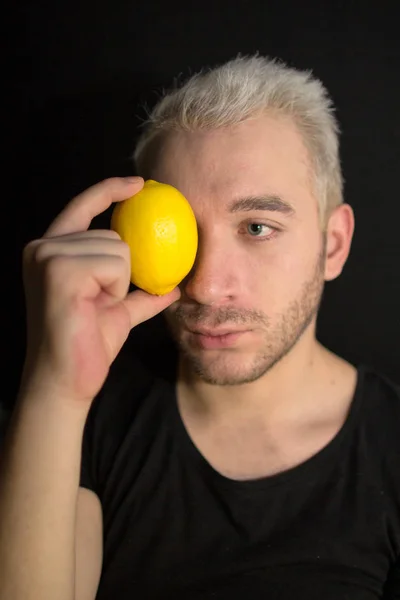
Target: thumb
[143, 306]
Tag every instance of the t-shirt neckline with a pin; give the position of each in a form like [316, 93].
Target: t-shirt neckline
[313, 463]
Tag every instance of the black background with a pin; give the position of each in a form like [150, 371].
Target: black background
[77, 75]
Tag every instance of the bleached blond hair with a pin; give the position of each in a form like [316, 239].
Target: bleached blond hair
[243, 88]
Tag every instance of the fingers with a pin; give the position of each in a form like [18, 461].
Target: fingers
[79, 213]
[142, 306]
[75, 264]
[78, 235]
[43, 249]
[102, 278]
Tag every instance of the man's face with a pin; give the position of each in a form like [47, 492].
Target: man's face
[258, 278]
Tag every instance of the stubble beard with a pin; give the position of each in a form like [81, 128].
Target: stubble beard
[233, 366]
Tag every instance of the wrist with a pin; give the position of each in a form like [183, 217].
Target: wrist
[35, 389]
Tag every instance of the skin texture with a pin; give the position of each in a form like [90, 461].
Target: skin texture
[270, 282]
[274, 396]
[249, 276]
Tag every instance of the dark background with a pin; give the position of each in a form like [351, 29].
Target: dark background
[77, 75]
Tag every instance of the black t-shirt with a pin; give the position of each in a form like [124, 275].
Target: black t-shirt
[174, 528]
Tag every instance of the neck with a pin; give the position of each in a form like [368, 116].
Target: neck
[278, 395]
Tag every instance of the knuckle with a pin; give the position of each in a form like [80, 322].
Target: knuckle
[122, 244]
[111, 182]
[118, 262]
[57, 269]
[29, 250]
[42, 251]
[117, 244]
[126, 251]
[110, 233]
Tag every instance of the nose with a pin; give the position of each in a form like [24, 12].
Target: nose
[214, 278]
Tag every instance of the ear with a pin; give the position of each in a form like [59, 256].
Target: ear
[339, 235]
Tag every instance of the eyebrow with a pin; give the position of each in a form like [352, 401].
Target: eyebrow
[265, 203]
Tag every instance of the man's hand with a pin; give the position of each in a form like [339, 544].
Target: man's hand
[79, 312]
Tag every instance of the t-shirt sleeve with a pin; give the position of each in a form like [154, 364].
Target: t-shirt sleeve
[384, 428]
[86, 475]
[109, 419]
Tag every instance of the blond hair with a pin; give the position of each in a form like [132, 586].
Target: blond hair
[241, 89]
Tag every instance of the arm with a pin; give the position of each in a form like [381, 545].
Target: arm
[39, 479]
[79, 314]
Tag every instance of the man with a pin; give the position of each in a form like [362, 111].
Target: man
[270, 468]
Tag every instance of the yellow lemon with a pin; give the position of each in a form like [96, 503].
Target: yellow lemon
[160, 228]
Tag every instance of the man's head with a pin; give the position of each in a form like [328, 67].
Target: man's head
[253, 146]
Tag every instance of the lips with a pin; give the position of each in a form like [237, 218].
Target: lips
[213, 339]
[216, 332]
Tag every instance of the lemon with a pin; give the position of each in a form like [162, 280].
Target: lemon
[160, 228]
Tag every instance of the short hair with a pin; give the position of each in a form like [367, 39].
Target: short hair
[242, 88]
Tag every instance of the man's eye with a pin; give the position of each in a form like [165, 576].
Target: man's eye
[258, 229]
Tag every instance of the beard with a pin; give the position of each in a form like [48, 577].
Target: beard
[277, 337]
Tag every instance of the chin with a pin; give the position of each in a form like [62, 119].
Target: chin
[227, 368]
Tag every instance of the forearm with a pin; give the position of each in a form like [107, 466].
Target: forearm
[39, 478]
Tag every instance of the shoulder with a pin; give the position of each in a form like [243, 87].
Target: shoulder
[379, 404]
[380, 393]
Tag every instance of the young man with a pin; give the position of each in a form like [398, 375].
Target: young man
[269, 467]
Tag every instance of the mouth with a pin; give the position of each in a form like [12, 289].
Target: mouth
[215, 332]
[215, 338]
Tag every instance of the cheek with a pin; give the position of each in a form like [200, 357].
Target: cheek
[271, 262]
[295, 254]
[278, 273]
